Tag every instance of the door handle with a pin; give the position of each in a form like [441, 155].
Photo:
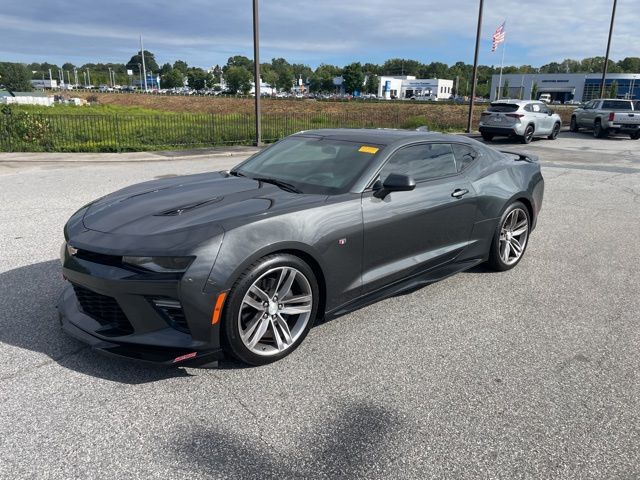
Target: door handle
[459, 192]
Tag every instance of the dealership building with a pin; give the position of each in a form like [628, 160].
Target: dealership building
[565, 87]
[407, 86]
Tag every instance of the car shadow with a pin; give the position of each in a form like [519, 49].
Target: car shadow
[355, 443]
[29, 321]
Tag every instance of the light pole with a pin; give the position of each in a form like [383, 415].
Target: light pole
[256, 71]
[110, 81]
[606, 57]
[475, 67]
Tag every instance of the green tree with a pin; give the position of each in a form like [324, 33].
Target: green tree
[239, 61]
[353, 78]
[630, 65]
[613, 90]
[286, 75]
[149, 61]
[198, 79]
[400, 66]
[373, 83]
[238, 79]
[505, 89]
[15, 77]
[181, 66]
[534, 91]
[172, 79]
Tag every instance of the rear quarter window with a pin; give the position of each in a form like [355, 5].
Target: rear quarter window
[503, 107]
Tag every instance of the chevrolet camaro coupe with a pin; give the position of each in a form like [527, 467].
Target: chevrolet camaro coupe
[186, 270]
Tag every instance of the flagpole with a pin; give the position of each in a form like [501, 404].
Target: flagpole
[504, 46]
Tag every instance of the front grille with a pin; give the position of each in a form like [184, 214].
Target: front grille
[105, 310]
[172, 312]
[95, 257]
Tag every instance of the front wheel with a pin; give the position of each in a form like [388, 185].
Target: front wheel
[510, 239]
[271, 308]
[573, 126]
[554, 132]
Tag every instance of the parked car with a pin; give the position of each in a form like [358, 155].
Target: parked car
[524, 119]
[181, 270]
[608, 115]
[545, 97]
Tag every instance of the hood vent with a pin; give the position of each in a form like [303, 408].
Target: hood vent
[187, 208]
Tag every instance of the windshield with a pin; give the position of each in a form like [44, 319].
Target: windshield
[312, 164]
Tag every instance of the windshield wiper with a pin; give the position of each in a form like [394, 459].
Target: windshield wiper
[236, 173]
[283, 185]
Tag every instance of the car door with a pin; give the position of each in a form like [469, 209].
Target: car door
[538, 116]
[586, 117]
[406, 233]
[546, 119]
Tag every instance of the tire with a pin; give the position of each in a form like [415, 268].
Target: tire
[256, 329]
[528, 134]
[504, 234]
[554, 132]
[487, 136]
[573, 126]
[635, 135]
[598, 131]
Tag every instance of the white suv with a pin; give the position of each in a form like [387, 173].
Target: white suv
[524, 119]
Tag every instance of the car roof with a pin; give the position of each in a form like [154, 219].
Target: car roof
[514, 102]
[380, 136]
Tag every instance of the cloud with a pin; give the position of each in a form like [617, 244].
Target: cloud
[204, 32]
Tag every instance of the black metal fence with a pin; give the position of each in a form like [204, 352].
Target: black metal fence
[23, 131]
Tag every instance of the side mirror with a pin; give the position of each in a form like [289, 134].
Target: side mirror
[395, 182]
[550, 112]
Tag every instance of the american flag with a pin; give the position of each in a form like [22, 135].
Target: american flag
[498, 37]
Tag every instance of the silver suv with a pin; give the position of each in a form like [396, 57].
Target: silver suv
[524, 119]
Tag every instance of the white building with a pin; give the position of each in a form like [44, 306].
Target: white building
[407, 86]
[564, 87]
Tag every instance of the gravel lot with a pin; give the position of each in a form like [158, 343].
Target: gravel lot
[532, 373]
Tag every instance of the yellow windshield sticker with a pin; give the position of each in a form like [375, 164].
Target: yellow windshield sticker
[371, 150]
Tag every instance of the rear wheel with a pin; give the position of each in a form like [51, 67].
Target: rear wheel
[554, 132]
[635, 135]
[487, 136]
[271, 308]
[511, 237]
[598, 130]
[574, 125]
[528, 134]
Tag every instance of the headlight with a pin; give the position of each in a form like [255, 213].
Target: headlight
[67, 249]
[160, 264]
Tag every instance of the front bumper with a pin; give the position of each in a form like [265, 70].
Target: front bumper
[160, 347]
[120, 312]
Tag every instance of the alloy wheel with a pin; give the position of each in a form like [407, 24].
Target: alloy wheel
[275, 311]
[514, 233]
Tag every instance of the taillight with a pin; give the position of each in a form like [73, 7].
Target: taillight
[515, 115]
[612, 115]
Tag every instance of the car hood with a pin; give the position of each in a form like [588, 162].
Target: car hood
[179, 203]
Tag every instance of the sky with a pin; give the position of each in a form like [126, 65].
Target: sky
[206, 33]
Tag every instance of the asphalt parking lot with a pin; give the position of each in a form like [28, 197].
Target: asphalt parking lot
[531, 373]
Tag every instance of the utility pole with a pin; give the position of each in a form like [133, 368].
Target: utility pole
[110, 82]
[606, 58]
[89, 76]
[256, 71]
[144, 68]
[475, 67]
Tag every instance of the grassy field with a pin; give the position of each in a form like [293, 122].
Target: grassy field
[135, 122]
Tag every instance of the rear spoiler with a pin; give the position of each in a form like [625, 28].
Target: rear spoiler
[521, 157]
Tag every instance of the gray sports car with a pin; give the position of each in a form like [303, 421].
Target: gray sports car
[184, 270]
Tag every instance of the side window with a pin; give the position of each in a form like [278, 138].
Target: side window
[422, 162]
[528, 108]
[465, 156]
[535, 107]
